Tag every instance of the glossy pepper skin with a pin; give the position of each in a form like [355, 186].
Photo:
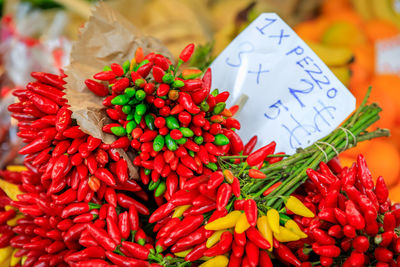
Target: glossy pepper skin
[259, 155]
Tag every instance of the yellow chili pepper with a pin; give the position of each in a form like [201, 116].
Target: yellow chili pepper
[5, 253]
[204, 258]
[218, 261]
[293, 226]
[183, 254]
[16, 168]
[214, 238]
[273, 220]
[285, 235]
[13, 221]
[265, 230]
[180, 210]
[242, 224]
[9, 207]
[23, 260]
[132, 65]
[10, 189]
[225, 222]
[14, 260]
[297, 207]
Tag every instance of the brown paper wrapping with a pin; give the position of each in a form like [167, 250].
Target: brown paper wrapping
[106, 38]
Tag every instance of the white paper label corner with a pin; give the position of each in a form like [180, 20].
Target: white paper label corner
[294, 98]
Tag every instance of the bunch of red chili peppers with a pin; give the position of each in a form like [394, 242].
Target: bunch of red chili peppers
[79, 205]
[76, 204]
[356, 224]
[168, 116]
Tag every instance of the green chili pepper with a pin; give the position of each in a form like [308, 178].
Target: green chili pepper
[130, 117]
[191, 153]
[178, 84]
[219, 108]
[149, 119]
[212, 166]
[171, 144]
[172, 122]
[198, 140]
[204, 106]
[118, 131]
[158, 143]
[137, 118]
[126, 66]
[130, 126]
[186, 132]
[139, 82]
[126, 109]
[106, 68]
[147, 171]
[221, 140]
[153, 185]
[130, 91]
[168, 78]
[140, 95]
[160, 189]
[133, 101]
[215, 92]
[141, 109]
[181, 141]
[144, 62]
[120, 100]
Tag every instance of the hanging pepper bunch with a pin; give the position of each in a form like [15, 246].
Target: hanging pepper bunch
[356, 224]
[168, 116]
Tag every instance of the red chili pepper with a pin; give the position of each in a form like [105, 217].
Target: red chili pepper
[123, 225]
[187, 52]
[313, 175]
[124, 261]
[102, 237]
[187, 226]
[113, 230]
[354, 217]
[74, 132]
[383, 254]
[363, 173]
[330, 251]
[252, 253]
[322, 237]
[222, 247]
[187, 103]
[50, 79]
[44, 104]
[105, 176]
[250, 209]
[196, 253]
[256, 174]
[255, 236]
[35, 146]
[286, 255]
[125, 202]
[223, 195]
[248, 148]
[135, 250]
[272, 188]
[78, 208]
[259, 155]
[381, 190]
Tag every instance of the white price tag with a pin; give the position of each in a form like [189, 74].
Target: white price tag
[388, 56]
[293, 98]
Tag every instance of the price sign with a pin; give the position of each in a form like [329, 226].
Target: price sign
[388, 56]
[292, 96]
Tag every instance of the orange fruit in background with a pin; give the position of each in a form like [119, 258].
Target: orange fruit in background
[352, 153]
[311, 30]
[394, 193]
[347, 16]
[380, 29]
[391, 85]
[335, 7]
[383, 159]
[346, 161]
[380, 96]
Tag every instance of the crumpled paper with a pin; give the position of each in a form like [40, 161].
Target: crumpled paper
[106, 38]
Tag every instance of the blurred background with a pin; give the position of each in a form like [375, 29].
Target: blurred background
[358, 39]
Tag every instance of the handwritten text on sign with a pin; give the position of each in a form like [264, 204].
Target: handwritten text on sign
[293, 98]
